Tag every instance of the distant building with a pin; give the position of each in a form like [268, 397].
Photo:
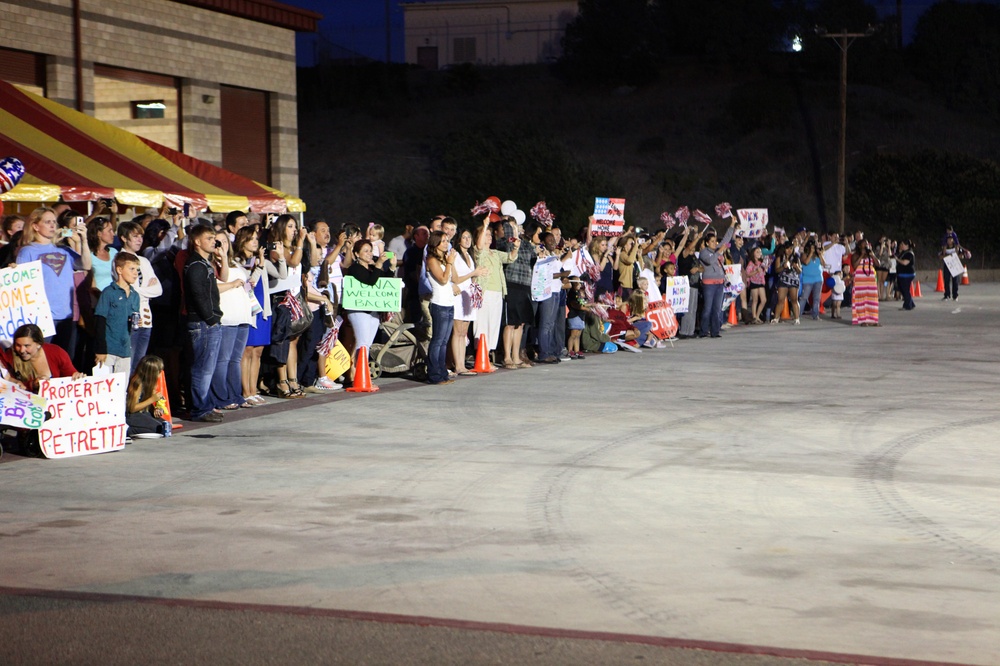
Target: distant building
[214, 79]
[485, 32]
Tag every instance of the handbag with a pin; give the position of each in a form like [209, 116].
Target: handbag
[302, 316]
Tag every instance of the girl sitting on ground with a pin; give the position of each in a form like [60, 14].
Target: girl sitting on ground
[144, 405]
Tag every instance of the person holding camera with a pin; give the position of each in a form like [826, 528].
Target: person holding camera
[864, 295]
[58, 264]
[906, 270]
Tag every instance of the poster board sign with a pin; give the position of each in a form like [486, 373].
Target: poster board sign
[20, 408]
[609, 217]
[734, 278]
[23, 300]
[385, 296]
[954, 265]
[661, 316]
[543, 285]
[678, 294]
[338, 361]
[88, 415]
[753, 222]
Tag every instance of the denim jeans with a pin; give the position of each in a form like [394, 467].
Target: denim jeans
[227, 384]
[546, 327]
[644, 326]
[205, 341]
[904, 282]
[711, 314]
[815, 290]
[442, 319]
[140, 344]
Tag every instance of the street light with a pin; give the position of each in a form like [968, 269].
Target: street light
[844, 40]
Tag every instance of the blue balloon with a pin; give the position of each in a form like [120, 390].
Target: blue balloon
[830, 282]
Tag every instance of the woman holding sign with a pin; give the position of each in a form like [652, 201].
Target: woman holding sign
[367, 270]
[58, 263]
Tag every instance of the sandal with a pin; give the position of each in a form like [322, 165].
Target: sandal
[296, 390]
[287, 392]
[510, 366]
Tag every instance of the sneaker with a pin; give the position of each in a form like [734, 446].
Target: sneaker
[324, 385]
[796, 322]
[211, 417]
[564, 356]
[946, 298]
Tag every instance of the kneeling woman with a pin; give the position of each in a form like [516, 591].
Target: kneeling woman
[363, 267]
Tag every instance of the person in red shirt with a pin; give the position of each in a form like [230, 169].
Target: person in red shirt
[31, 359]
[27, 363]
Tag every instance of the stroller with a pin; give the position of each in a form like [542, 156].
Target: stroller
[400, 353]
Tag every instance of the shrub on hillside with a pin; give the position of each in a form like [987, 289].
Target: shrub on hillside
[519, 163]
[917, 195]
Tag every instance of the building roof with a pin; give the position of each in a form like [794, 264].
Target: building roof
[70, 156]
[263, 11]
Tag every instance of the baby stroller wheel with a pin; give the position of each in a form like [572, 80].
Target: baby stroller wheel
[419, 370]
[375, 368]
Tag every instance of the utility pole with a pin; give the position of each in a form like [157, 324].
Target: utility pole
[844, 40]
[388, 32]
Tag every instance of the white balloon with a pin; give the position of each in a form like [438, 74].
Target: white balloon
[508, 207]
[519, 216]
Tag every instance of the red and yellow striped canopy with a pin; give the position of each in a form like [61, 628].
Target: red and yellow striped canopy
[71, 156]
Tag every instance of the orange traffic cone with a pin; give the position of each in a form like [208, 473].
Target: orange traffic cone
[161, 388]
[483, 357]
[362, 375]
[916, 289]
[732, 314]
[940, 286]
[785, 312]
[965, 277]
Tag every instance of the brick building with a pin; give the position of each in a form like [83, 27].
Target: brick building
[214, 79]
[485, 32]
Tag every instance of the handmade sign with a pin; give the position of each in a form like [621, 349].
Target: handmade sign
[753, 222]
[385, 296]
[734, 278]
[88, 415]
[338, 361]
[609, 217]
[954, 265]
[23, 300]
[543, 284]
[678, 294]
[661, 316]
[20, 408]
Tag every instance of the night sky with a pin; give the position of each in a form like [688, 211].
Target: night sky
[359, 25]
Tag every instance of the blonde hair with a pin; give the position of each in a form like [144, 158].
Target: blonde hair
[375, 232]
[28, 232]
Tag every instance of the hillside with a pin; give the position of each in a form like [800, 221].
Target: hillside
[696, 138]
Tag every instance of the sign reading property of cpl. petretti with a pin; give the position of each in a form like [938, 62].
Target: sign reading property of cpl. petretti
[385, 296]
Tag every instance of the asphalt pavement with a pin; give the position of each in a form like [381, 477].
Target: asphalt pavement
[784, 494]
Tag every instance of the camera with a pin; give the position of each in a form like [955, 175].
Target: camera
[172, 211]
[108, 202]
[218, 244]
[66, 233]
[271, 247]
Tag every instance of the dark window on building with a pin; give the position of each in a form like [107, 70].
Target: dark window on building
[464, 49]
[246, 133]
[21, 67]
[151, 108]
[427, 57]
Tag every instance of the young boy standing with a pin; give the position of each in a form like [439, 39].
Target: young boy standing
[115, 310]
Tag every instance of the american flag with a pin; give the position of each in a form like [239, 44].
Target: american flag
[702, 217]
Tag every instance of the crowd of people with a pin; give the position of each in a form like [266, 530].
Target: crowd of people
[238, 307]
